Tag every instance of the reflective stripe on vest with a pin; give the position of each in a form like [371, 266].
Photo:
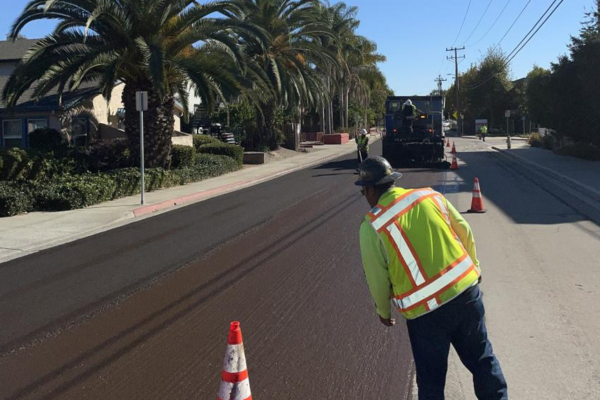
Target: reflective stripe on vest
[401, 206]
[425, 290]
[437, 284]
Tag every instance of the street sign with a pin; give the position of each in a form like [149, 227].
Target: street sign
[141, 101]
[507, 113]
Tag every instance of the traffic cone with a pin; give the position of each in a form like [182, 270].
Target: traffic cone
[235, 384]
[477, 202]
[453, 148]
[448, 142]
[454, 162]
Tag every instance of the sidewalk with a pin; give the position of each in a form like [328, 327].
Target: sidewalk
[25, 234]
[578, 174]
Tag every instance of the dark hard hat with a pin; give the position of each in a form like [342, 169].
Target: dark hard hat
[376, 171]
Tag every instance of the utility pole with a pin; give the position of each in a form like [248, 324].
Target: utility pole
[459, 109]
[439, 81]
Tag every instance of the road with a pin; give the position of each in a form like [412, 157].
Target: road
[143, 311]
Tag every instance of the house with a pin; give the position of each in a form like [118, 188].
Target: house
[84, 115]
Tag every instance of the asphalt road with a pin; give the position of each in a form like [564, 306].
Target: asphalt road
[143, 311]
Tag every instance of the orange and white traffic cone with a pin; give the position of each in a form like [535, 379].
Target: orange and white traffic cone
[448, 142]
[477, 202]
[453, 148]
[235, 384]
[454, 163]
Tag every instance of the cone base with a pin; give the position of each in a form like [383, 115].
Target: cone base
[476, 211]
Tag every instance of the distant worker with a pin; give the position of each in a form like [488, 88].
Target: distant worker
[419, 252]
[409, 113]
[483, 130]
[362, 146]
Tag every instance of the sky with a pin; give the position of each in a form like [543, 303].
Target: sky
[414, 34]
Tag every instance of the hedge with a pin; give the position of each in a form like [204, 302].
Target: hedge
[47, 139]
[224, 149]
[69, 191]
[182, 156]
[15, 164]
[15, 198]
[105, 155]
[201, 140]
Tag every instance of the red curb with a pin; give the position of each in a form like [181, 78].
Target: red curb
[184, 199]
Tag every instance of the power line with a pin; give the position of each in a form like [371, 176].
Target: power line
[478, 22]
[492, 26]
[535, 25]
[513, 24]
[463, 23]
[518, 49]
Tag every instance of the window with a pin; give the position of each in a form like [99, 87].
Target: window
[394, 106]
[33, 124]
[79, 131]
[121, 118]
[12, 133]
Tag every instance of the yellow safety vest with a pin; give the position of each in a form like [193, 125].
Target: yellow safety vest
[428, 265]
[363, 143]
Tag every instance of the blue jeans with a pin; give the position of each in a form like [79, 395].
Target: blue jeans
[460, 323]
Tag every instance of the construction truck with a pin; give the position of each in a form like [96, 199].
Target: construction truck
[414, 135]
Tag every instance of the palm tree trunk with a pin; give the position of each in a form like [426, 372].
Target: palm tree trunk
[158, 125]
[347, 101]
[341, 94]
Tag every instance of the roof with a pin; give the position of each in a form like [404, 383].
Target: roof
[14, 51]
[50, 101]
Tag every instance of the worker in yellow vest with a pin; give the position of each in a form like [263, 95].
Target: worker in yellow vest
[483, 130]
[419, 252]
[362, 146]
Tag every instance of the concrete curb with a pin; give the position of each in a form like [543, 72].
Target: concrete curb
[205, 195]
[584, 189]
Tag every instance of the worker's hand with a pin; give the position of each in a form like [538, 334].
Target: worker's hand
[387, 321]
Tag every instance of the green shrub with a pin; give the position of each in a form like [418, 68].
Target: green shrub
[47, 166]
[106, 155]
[46, 139]
[182, 156]
[73, 191]
[580, 150]
[224, 149]
[69, 191]
[535, 140]
[15, 198]
[201, 140]
[15, 164]
[127, 182]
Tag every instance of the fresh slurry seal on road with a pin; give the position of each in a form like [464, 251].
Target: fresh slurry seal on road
[280, 257]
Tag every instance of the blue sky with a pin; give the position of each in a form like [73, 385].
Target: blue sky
[414, 34]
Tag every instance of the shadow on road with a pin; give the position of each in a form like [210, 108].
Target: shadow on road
[520, 196]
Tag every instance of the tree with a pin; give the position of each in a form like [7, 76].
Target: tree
[285, 58]
[566, 97]
[538, 96]
[153, 45]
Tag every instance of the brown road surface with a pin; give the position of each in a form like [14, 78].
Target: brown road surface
[142, 312]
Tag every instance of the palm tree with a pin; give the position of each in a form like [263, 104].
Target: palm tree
[286, 58]
[156, 46]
